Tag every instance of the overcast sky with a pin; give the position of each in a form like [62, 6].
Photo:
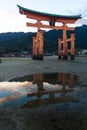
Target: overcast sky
[12, 21]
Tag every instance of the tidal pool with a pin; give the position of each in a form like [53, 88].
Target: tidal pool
[38, 90]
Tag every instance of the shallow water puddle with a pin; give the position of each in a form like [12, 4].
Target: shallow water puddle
[38, 89]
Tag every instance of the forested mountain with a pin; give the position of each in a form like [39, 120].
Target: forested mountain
[20, 41]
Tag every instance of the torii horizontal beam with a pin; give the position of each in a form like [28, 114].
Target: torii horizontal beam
[48, 26]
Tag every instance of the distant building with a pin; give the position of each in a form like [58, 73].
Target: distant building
[82, 52]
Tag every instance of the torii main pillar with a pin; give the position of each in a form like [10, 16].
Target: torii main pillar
[38, 46]
[65, 55]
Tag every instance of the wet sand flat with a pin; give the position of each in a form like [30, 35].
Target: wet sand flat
[57, 116]
[18, 67]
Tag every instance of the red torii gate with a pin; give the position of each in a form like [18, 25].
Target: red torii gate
[52, 19]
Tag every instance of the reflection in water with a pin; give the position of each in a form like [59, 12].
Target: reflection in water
[39, 89]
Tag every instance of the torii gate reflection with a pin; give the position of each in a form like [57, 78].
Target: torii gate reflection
[51, 92]
[53, 20]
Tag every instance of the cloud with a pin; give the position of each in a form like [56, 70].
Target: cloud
[83, 13]
[12, 22]
[14, 90]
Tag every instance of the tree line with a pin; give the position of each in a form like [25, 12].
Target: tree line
[20, 41]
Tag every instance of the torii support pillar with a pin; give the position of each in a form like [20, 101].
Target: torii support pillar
[60, 48]
[38, 46]
[72, 46]
[63, 50]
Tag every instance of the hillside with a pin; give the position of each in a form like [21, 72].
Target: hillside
[20, 41]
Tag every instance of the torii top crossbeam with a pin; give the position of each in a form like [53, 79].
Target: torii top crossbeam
[47, 16]
[52, 18]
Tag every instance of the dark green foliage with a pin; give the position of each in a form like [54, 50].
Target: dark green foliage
[20, 41]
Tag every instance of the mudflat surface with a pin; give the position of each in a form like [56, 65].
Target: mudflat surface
[55, 116]
[18, 67]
